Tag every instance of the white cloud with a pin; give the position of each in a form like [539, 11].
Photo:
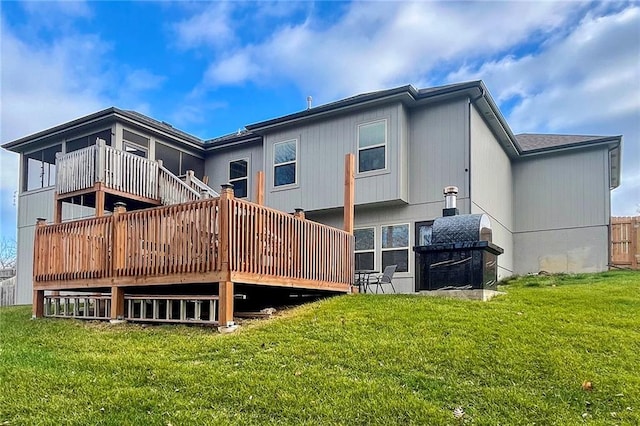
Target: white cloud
[587, 82]
[376, 44]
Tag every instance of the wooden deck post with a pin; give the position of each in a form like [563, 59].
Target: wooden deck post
[100, 199]
[225, 287]
[349, 192]
[260, 188]
[38, 295]
[119, 237]
[57, 212]
[117, 303]
[299, 214]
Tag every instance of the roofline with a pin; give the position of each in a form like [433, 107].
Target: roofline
[111, 112]
[616, 140]
[239, 140]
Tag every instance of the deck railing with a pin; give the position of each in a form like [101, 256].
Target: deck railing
[273, 243]
[174, 191]
[251, 242]
[120, 171]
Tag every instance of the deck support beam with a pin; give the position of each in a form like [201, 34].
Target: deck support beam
[100, 200]
[225, 304]
[349, 192]
[38, 303]
[57, 210]
[117, 303]
[225, 287]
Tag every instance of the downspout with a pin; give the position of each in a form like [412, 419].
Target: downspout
[471, 102]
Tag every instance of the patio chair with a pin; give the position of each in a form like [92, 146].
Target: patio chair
[385, 278]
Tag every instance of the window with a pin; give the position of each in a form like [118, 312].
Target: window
[178, 162]
[238, 172]
[284, 162]
[395, 246]
[365, 248]
[39, 168]
[86, 141]
[135, 144]
[372, 145]
[170, 158]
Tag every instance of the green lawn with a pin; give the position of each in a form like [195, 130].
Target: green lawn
[363, 359]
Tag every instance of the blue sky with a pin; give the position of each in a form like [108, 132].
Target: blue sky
[211, 68]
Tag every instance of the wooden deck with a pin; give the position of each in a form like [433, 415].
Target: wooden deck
[218, 241]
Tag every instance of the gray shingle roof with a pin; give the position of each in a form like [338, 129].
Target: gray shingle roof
[539, 142]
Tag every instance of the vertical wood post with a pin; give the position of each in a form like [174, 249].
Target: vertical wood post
[119, 238]
[117, 303]
[260, 188]
[101, 154]
[299, 214]
[100, 196]
[189, 177]
[225, 287]
[38, 303]
[38, 295]
[635, 241]
[349, 192]
[57, 212]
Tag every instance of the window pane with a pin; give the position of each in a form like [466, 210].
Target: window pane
[396, 257]
[372, 134]
[33, 173]
[237, 169]
[170, 157]
[284, 175]
[364, 261]
[364, 238]
[135, 150]
[240, 188]
[90, 140]
[395, 236]
[285, 151]
[371, 159]
[191, 162]
[135, 138]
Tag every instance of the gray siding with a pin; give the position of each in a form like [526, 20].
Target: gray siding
[438, 151]
[562, 212]
[216, 166]
[322, 146]
[562, 191]
[562, 251]
[492, 188]
[32, 205]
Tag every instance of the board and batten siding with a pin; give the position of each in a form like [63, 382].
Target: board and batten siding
[562, 209]
[492, 188]
[322, 146]
[216, 166]
[32, 205]
[438, 152]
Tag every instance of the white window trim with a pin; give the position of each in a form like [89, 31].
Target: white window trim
[375, 244]
[237, 179]
[126, 143]
[385, 145]
[295, 162]
[408, 247]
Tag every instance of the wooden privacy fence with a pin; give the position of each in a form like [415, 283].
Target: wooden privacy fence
[223, 239]
[625, 242]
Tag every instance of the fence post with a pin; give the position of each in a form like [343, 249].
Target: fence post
[299, 214]
[38, 295]
[100, 160]
[225, 287]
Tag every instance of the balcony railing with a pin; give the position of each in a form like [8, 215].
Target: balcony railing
[121, 172]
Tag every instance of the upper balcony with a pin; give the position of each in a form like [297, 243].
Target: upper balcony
[102, 174]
